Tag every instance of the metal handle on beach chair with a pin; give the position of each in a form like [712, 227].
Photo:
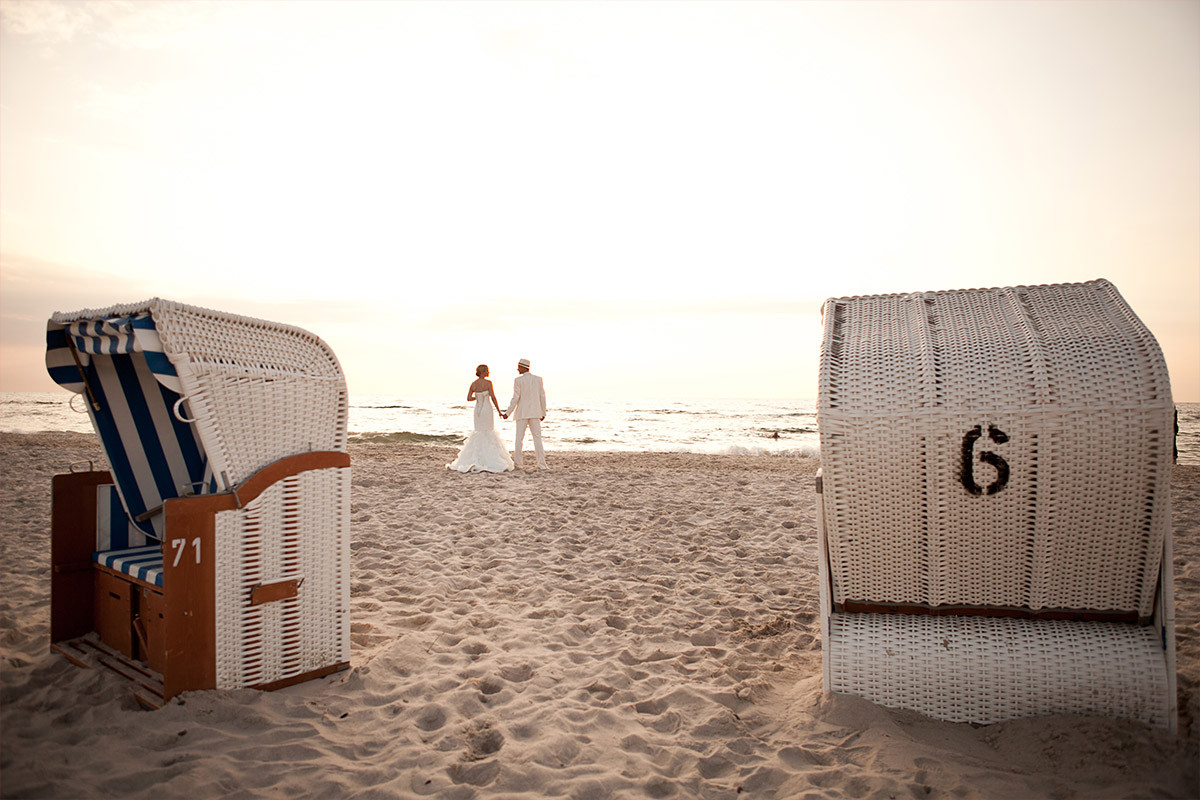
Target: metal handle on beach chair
[87, 387]
[178, 414]
[189, 489]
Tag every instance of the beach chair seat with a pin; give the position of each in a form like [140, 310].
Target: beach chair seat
[216, 548]
[144, 564]
[994, 504]
[983, 670]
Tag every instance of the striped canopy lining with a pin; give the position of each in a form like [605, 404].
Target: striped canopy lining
[119, 363]
[114, 530]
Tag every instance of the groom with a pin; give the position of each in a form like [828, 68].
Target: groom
[528, 409]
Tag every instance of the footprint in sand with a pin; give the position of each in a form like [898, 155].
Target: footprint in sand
[763, 782]
[800, 758]
[431, 717]
[475, 649]
[652, 707]
[482, 741]
[414, 621]
[524, 732]
[600, 691]
[659, 788]
[476, 774]
[517, 674]
[825, 778]
[557, 754]
[362, 634]
[668, 722]
[714, 767]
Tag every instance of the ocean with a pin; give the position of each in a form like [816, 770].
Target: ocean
[737, 427]
[743, 427]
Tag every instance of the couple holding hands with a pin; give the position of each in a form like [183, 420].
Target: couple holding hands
[483, 451]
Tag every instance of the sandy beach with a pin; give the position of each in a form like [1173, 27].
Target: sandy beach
[622, 626]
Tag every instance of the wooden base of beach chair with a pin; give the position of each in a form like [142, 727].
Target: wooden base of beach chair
[130, 616]
[113, 611]
[172, 631]
[89, 652]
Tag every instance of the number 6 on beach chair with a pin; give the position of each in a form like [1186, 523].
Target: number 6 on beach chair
[216, 553]
[995, 505]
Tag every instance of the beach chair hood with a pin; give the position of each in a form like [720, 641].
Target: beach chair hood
[188, 400]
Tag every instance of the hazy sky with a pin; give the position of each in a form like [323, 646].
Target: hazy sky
[648, 199]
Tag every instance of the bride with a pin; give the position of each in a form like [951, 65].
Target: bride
[483, 451]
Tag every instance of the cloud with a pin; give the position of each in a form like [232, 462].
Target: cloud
[119, 24]
[32, 289]
[44, 21]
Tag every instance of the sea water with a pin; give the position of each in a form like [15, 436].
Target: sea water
[741, 427]
[749, 427]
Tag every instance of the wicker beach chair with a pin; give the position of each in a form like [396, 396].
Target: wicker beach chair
[216, 552]
[995, 505]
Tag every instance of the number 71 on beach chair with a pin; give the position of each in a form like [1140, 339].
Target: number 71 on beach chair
[215, 554]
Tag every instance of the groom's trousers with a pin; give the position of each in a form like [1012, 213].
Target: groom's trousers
[535, 425]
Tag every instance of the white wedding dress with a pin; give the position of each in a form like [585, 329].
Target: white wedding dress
[483, 451]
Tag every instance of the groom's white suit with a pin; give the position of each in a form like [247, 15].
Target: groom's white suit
[528, 408]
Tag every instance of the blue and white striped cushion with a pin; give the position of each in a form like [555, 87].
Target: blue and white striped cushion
[113, 530]
[143, 563]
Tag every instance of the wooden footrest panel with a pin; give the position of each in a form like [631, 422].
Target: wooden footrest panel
[89, 653]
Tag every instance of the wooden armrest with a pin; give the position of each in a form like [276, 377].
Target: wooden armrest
[259, 482]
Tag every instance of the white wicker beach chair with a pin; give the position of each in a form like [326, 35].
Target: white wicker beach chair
[217, 550]
[995, 504]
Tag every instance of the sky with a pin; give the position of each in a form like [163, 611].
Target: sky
[647, 199]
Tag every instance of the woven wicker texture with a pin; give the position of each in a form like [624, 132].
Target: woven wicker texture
[258, 391]
[252, 393]
[997, 448]
[298, 528]
[985, 670]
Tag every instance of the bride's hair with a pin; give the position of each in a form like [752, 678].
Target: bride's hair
[482, 368]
